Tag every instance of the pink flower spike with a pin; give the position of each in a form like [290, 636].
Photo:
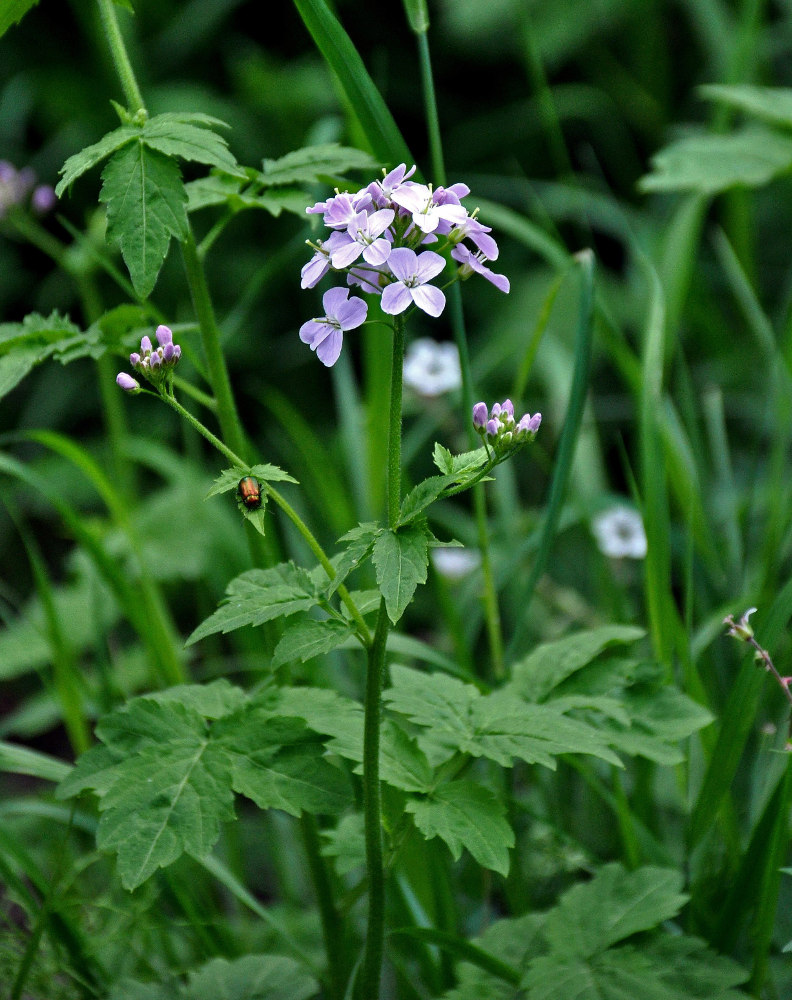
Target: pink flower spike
[412, 272]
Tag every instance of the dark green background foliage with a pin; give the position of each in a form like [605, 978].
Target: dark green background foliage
[607, 813]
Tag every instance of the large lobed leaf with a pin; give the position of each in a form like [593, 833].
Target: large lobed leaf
[456, 718]
[170, 764]
[584, 948]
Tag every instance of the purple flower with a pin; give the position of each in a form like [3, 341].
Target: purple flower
[326, 335]
[164, 335]
[412, 272]
[318, 266]
[470, 228]
[382, 192]
[427, 214]
[470, 262]
[364, 234]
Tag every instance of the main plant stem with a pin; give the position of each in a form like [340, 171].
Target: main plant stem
[372, 802]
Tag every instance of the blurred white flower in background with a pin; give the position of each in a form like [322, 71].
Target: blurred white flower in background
[432, 368]
[619, 532]
[455, 563]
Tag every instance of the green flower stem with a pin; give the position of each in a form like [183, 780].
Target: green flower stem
[227, 415]
[395, 424]
[284, 505]
[333, 931]
[118, 51]
[372, 810]
[492, 617]
[372, 803]
[490, 596]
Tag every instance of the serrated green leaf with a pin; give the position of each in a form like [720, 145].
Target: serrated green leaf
[252, 977]
[347, 844]
[440, 704]
[323, 710]
[190, 139]
[169, 791]
[403, 764]
[214, 700]
[770, 104]
[713, 163]
[146, 205]
[458, 465]
[551, 663]
[312, 163]
[361, 541]
[506, 728]
[278, 763]
[467, 815]
[81, 162]
[628, 972]
[239, 194]
[259, 596]
[26, 344]
[95, 770]
[611, 907]
[303, 640]
[422, 496]
[400, 559]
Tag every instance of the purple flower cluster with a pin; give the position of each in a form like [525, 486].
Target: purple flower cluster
[154, 364]
[17, 185]
[499, 428]
[378, 238]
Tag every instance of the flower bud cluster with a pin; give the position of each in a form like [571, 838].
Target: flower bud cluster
[16, 186]
[499, 428]
[155, 364]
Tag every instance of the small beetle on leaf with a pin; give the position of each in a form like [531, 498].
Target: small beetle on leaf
[249, 492]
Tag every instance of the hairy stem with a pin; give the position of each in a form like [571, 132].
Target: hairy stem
[115, 41]
[372, 805]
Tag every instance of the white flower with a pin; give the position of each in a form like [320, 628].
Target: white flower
[619, 532]
[432, 368]
[455, 563]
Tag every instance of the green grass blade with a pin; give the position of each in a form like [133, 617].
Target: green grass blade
[653, 475]
[562, 466]
[365, 101]
[737, 722]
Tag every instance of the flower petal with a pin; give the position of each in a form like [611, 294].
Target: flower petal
[428, 298]
[330, 348]
[395, 297]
